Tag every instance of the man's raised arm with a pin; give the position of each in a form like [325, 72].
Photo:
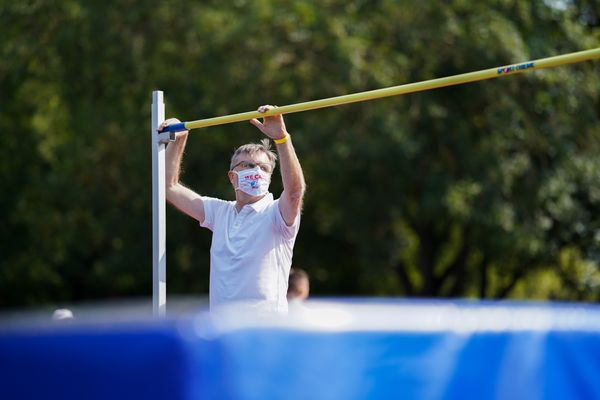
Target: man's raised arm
[184, 199]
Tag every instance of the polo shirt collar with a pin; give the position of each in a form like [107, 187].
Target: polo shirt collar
[262, 203]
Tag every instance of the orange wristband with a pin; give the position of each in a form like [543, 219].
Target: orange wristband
[282, 140]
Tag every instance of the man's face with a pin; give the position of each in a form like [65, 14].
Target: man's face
[247, 161]
[300, 292]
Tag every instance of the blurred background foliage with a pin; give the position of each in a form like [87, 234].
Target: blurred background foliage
[485, 190]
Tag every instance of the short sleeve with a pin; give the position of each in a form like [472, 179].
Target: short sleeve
[288, 232]
[212, 207]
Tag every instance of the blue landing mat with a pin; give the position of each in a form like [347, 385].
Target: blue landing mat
[369, 349]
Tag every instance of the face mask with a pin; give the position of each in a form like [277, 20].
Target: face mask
[254, 182]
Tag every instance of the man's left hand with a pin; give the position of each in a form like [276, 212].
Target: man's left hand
[272, 126]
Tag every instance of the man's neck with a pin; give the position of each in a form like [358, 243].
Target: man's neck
[242, 199]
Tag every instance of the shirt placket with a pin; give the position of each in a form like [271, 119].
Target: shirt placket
[238, 221]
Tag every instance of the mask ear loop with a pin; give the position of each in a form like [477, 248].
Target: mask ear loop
[266, 175]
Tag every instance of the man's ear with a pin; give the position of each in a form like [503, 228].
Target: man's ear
[231, 176]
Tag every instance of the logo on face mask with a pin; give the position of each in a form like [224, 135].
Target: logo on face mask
[254, 182]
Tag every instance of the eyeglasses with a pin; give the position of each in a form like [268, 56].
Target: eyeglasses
[251, 164]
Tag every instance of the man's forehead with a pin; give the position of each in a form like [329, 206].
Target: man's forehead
[256, 157]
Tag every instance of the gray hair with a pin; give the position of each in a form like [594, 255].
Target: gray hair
[254, 148]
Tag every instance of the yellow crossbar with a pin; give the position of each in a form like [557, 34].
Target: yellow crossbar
[403, 89]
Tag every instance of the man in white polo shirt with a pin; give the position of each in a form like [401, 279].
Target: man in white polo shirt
[253, 236]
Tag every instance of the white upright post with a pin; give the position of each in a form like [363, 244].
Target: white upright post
[159, 253]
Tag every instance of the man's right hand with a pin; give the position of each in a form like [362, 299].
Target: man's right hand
[171, 121]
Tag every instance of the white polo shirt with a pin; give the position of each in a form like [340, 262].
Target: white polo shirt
[250, 254]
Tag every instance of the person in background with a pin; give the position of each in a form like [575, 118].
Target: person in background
[298, 285]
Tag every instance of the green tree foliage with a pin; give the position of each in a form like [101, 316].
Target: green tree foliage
[484, 190]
